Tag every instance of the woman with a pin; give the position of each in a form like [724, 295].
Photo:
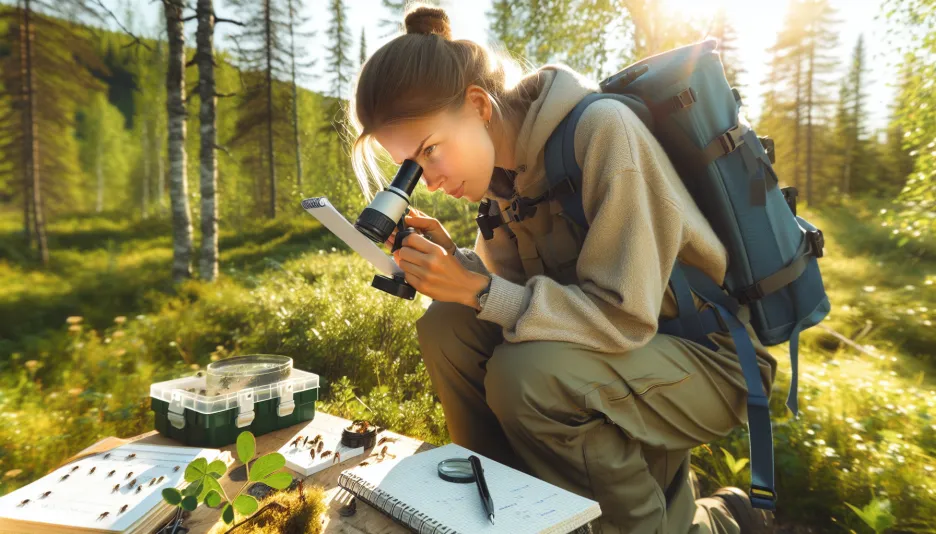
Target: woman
[542, 342]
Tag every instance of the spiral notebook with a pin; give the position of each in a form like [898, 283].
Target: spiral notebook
[410, 491]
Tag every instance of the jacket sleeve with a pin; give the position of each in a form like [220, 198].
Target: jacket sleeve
[635, 234]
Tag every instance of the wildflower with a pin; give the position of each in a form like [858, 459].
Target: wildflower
[928, 468]
[195, 367]
[13, 473]
[31, 364]
[120, 319]
[74, 319]
[118, 334]
[869, 289]
[74, 392]
[830, 452]
[75, 328]
[856, 437]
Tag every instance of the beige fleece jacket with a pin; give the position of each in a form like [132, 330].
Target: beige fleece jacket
[641, 219]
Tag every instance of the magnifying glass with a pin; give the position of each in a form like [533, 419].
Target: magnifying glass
[456, 470]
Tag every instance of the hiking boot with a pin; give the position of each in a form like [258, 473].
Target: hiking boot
[751, 520]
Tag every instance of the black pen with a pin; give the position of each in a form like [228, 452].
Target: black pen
[482, 486]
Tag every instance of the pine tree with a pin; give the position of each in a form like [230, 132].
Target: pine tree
[295, 20]
[851, 116]
[724, 32]
[362, 57]
[48, 84]
[820, 38]
[262, 54]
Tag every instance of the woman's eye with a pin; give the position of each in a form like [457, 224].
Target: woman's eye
[429, 150]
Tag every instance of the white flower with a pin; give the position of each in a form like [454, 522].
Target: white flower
[856, 437]
[869, 289]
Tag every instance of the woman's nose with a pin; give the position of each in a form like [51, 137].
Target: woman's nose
[432, 183]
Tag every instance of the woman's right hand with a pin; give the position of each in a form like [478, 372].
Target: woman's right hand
[429, 227]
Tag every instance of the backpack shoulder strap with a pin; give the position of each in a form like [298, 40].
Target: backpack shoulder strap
[562, 171]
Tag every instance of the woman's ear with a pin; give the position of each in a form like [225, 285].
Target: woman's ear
[478, 102]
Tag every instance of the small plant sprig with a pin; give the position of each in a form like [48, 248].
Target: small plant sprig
[204, 487]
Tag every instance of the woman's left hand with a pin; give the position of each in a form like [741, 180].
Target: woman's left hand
[432, 271]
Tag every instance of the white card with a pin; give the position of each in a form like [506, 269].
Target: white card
[299, 456]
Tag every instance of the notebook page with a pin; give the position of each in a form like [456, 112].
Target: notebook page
[332, 219]
[82, 498]
[523, 504]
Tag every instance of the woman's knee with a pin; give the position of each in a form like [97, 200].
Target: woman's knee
[530, 381]
[440, 321]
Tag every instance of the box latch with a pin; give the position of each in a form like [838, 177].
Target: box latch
[176, 413]
[286, 402]
[245, 404]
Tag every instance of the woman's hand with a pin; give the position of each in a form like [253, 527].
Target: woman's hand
[431, 269]
[426, 226]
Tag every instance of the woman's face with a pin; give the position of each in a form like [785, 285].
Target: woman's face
[452, 147]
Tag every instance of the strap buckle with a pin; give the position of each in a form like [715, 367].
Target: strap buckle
[763, 498]
[684, 99]
[750, 294]
[486, 220]
[521, 208]
[816, 242]
[731, 139]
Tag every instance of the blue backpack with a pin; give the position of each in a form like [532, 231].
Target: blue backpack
[684, 99]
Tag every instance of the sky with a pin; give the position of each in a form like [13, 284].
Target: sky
[756, 25]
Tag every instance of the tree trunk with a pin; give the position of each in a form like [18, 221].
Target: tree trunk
[160, 172]
[147, 147]
[269, 90]
[295, 96]
[99, 169]
[175, 107]
[27, 176]
[32, 143]
[810, 80]
[208, 264]
[796, 122]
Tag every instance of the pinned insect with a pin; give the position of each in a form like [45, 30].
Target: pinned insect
[312, 453]
[337, 457]
[160, 479]
[139, 488]
[123, 509]
[317, 438]
[102, 516]
[64, 478]
[383, 452]
[24, 503]
[132, 483]
[92, 470]
[106, 456]
[295, 442]
[174, 469]
[326, 454]
[46, 494]
[386, 439]
[305, 441]
[130, 474]
[320, 446]
[111, 473]
[362, 464]
[152, 481]
[360, 425]
[116, 488]
[131, 456]
[73, 469]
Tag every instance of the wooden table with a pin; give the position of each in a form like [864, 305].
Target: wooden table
[367, 520]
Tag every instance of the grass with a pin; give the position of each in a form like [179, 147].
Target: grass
[866, 434]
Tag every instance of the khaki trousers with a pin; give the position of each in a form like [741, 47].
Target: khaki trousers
[611, 427]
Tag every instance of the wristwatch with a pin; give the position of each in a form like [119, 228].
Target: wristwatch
[483, 294]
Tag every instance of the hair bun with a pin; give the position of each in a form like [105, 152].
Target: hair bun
[428, 20]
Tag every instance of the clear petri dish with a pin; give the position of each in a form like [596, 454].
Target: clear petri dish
[249, 371]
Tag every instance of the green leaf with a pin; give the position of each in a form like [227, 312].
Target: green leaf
[193, 489]
[196, 470]
[266, 465]
[212, 485]
[876, 514]
[245, 504]
[279, 481]
[227, 514]
[246, 447]
[212, 498]
[217, 467]
[172, 496]
[739, 465]
[189, 503]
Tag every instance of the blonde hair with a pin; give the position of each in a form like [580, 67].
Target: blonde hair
[423, 72]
